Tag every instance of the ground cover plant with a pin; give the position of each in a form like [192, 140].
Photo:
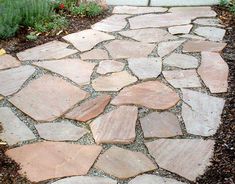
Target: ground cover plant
[230, 4]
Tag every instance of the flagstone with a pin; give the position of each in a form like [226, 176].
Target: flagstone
[181, 61]
[201, 113]
[11, 80]
[115, 127]
[13, 129]
[163, 124]
[137, 10]
[123, 163]
[145, 68]
[47, 98]
[95, 54]
[182, 78]
[8, 61]
[89, 109]
[151, 94]
[165, 48]
[214, 72]
[208, 22]
[191, 36]
[109, 66]
[113, 82]
[1, 97]
[50, 50]
[47, 160]
[211, 33]
[185, 157]
[121, 49]
[87, 39]
[180, 29]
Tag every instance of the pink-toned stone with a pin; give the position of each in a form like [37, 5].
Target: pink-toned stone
[121, 49]
[192, 37]
[151, 94]
[87, 39]
[48, 160]
[208, 22]
[110, 66]
[165, 48]
[74, 69]
[113, 82]
[211, 33]
[123, 163]
[214, 72]
[185, 157]
[89, 109]
[163, 124]
[117, 126]
[137, 10]
[47, 98]
[95, 54]
[11, 80]
[180, 29]
[7, 61]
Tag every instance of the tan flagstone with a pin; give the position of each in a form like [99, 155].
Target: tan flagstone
[110, 66]
[165, 48]
[95, 54]
[8, 61]
[180, 29]
[137, 10]
[191, 36]
[208, 22]
[211, 33]
[1, 97]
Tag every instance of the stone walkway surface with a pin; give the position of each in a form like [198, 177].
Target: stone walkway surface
[136, 99]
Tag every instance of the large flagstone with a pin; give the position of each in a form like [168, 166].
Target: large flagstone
[137, 10]
[95, 54]
[180, 29]
[208, 22]
[109, 66]
[165, 48]
[211, 33]
[7, 61]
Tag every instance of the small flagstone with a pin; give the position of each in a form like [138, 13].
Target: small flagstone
[47, 98]
[192, 37]
[113, 82]
[182, 78]
[180, 29]
[208, 22]
[89, 109]
[109, 66]
[95, 54]
[13, 129]
[137, 10]
[109, 128]
[8, 61]
[211, 33]
[87, 39]
[11, 80]
[165, 48]
[1, 97]
[185, 157]
[151, 94]
[123, 163]
[214, 72]
[145, 68]
[47, 160]
[50, 50]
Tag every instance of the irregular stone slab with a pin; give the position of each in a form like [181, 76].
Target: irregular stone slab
[87, 39]
[7, 61]
[111, 24]
[115, 127]
[214, 72]
[182, 78]
[113, 82]
[163, 124]
[211, 33]
[171, 3]
[123, 163]
[47, 160]
[151, 94]
[181, 61]
[149, 35]
[208, 22]
[47, 102]
[89, 109]
[193, 37]
[95, 54]
[121, 49]
[50, 50]
[185, 157]
[14, 130]
[165, 48]
[11, 80]
[109, 66]
[180, 29]
[200, 46]
[145, 68]
[201, 113]
[1, 97]
[129, 2]
[137, 10]
[62, 131]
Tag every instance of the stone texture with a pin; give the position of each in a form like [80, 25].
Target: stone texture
[211, 33]
[121, 49]
[95, 54]
[145, 68]
[123, 163]
[191, 36]
[48, 160]
[182, 78]
[89, 109]
[47, 102]
[137, 10]
[50, 50]
[201, 113]
[165, 48]
[208, 22]
[87, 39]
[109, 66]
[7, 61]
[163, 124]
[129, 2]
[62, 131]
[115, 127]
[14, 130]
[180, 29]
[189, 158]
[171, 3]
[1, 97]
[11, 80]
[214, 72]
[113, 82]
[151, 94]
[149, 35]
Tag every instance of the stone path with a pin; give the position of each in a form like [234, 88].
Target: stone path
[136, 99]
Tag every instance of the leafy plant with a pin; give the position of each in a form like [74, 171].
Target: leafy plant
[223, 2]
[32, 36]
[90, 9]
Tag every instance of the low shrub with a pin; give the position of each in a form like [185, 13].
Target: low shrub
[90, 9]
[230, 4]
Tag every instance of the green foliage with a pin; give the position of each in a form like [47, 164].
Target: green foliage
[223, 2]
[90, 9]
[32, 36]
[230, 4]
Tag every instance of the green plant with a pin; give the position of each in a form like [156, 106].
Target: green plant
[32, 36]
[223, 2]
[90, 9]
